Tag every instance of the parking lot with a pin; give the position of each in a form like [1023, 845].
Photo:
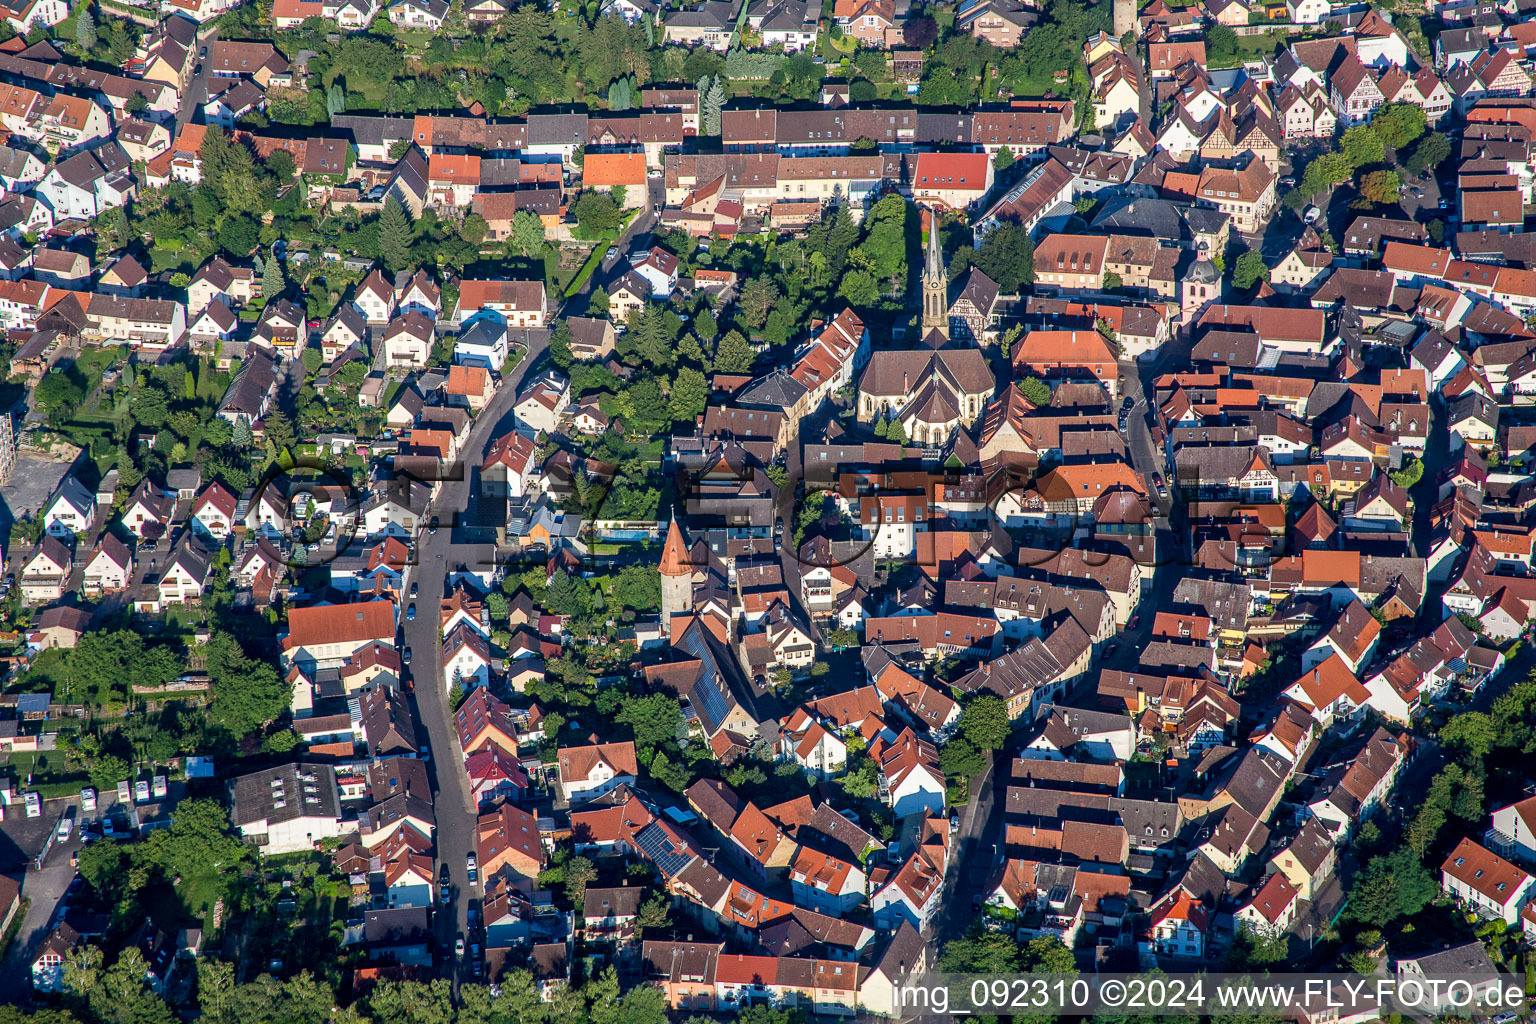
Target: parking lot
[32, 480]
[21, 840]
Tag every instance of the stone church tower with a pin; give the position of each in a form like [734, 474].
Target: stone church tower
[676, 578]
[1125, 18]
[935, 283]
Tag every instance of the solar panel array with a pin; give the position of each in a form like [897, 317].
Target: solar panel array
[658, 846]
[709, 701]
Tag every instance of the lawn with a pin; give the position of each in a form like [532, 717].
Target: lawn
[47, 673]
[190, 901]
[1251, 48]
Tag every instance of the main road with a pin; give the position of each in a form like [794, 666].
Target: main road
[454, 808]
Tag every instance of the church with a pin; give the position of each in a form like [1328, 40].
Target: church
[939, 387]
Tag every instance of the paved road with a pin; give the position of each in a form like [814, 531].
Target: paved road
[974, 852]
[614, 266]
[196, 92]
[436, 553]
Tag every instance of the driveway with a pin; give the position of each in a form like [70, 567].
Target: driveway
[21, 839]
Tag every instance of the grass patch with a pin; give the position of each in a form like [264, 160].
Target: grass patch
[190, 902]
[589, 267]
[14, 928]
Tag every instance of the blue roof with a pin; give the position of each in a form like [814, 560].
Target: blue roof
[33, 703]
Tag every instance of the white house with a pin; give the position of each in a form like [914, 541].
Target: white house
[1077, 734]
[1272, 907]
[1516, 828]
[912, 895]
[71, 510]
[213, 513]
[408, 880]
[466, 658]
[110, 567]
[375, 299]
[826, 883]
[1179, 925]
[588, 772]
[287, 809]
[45, 571]
[914, 780]
[539, 407]
[483, 342]
[811, 745]
[659, 270]
[1486, 883]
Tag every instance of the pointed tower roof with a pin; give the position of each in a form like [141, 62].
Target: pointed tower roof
[675, 560]
[933, 258]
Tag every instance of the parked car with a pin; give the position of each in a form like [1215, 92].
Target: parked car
[405, 655]
[458, 947]
[410, 613]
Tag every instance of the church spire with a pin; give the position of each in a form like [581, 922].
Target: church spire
[935, 282]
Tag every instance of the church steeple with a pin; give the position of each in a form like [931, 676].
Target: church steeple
[935, 282]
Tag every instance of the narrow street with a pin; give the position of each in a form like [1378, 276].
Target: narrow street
[437, 553]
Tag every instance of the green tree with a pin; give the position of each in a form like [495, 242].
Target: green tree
[959, 759]
[595, 213]
[58, 394]
[1361, 146]
[653, 915]
[1253, 949]
[247, 693]
[1221, 43]
[1381, 187]
[711, 104]
[1398, 124]
[474, 228]
[1036, 390]
[674, 776]
[1007, 256]
[1432, 151]
[654, 718]
[1249, 270]
[1390, 887]
[1004, 158]
[395, 235]
[281, 166]
[238, 235]
[108, 771]
[689, 394]
[1049, 955]
[527, 234]
[843, 638]
[981, 951]
[734, 354]
[637, 587]
[579, 872]
[85, 29]
[758, 297]
[984, 721]
[273, 281]
[1470, 733]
